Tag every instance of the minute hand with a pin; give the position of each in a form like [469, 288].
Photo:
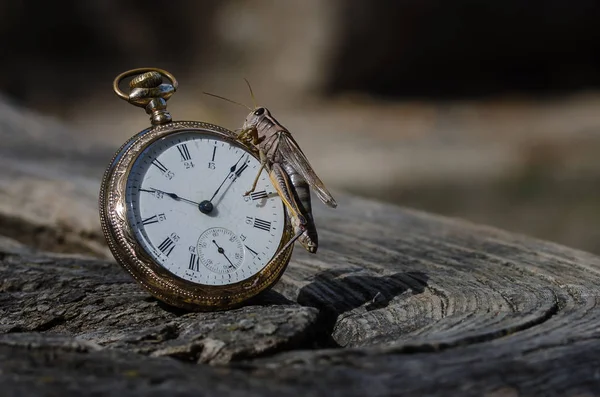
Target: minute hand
[231, 171]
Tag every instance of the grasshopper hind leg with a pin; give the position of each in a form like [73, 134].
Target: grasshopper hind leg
[301, 220]
[301, 194]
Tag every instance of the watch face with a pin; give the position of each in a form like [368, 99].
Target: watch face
[186, 206]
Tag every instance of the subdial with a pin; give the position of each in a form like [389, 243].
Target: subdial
[220, 250]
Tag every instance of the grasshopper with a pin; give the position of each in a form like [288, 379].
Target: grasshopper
[289, 170]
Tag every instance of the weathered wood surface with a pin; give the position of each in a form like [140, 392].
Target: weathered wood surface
[396, 302]
[96, 302]
[49, 183]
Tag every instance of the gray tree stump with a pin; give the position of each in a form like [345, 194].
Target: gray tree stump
[396, 302]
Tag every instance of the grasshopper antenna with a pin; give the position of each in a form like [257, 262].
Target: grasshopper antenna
[227, 99]
[251, 93]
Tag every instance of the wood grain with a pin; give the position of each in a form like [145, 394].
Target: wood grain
[420, 278]
[396, 302]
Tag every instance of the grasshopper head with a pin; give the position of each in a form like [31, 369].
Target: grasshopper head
[255, 117]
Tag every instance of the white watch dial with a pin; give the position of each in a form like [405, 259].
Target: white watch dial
[186, 205]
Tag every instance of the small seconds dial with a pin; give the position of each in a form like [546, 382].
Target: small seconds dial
[220, 250]
[188, 211]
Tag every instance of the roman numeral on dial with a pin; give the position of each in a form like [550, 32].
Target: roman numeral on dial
[166, 247]
[184, 152]
[159, 165]
[262, 225]
[258, 195]
[154, 219]
[242, 168]
[194, 263]
[151, 220]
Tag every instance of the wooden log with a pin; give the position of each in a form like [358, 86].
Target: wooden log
[49, 183]
[396, 302]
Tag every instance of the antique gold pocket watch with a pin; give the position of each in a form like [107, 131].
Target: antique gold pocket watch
[173, 209]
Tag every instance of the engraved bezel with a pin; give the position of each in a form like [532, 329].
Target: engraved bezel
[130, 254]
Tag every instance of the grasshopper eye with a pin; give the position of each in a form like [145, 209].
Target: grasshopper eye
[259, 112]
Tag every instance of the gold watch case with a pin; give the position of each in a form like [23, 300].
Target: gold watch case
[129, 253]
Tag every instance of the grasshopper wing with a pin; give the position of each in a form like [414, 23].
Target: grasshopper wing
[293, 154]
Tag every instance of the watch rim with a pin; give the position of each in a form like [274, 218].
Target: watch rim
[131, 255]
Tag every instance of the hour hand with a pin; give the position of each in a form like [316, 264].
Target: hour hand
[171, 195]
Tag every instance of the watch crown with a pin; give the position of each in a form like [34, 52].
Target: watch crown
[147, 90]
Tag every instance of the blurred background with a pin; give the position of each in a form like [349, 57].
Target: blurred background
[488, 111]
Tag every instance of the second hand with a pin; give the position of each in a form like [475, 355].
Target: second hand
[222, 252]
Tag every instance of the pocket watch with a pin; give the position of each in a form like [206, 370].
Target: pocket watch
[174, 213]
